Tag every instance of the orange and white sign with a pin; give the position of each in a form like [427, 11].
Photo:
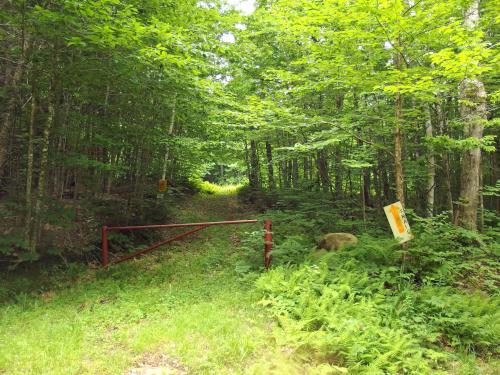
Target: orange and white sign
[398, 222]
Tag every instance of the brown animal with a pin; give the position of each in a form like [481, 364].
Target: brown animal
[336, 241]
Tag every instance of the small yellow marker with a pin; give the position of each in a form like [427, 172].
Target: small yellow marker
[162, 186]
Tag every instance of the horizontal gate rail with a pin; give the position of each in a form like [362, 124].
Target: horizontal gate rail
[199, 226]
[159, 226]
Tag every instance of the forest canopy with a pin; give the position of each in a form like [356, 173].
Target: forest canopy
[365, 101]
[309, 118]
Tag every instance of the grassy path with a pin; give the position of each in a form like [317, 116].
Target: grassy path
[182, 310]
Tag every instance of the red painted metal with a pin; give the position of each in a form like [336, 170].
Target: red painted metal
[158, 244]
[209, 223]
[268, 243]
[105, 229]
[104, 248]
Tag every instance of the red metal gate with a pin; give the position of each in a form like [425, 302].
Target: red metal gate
[268, 238]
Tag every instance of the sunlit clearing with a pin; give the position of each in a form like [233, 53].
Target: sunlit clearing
[214, 189]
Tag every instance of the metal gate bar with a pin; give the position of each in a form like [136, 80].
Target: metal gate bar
[105, 246]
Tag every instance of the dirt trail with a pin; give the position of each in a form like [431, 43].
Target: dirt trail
[195, 209]
[221, 207]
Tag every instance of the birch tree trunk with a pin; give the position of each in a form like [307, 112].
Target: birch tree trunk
[398, 159]
[431, 170]
[170, 132]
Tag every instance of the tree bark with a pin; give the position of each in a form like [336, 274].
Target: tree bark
[13, 76]
[305, 169]
[431, 170]
[363, 197]
[367, 188]
[445, 159]
[323, 171]
[295, 173]
[398, 159]
[270, 170]
[170, 132]
[254, 165]
[473, 113]
[44, 159]
[338, 173]
[247, 159]
[29, 166]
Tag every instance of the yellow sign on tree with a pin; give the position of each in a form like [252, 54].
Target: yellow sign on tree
[162, 186]
[398, 222]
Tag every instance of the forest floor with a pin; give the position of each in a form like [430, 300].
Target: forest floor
[179, 310]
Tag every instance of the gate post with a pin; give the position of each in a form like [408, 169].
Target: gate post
[104, 248]
[268, 242]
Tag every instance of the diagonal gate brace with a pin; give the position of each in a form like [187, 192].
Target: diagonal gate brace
[158, 244]
[199, 226]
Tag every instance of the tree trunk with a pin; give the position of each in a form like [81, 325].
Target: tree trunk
[270, 170]
[305, 169]
[398, 159]
[44, 159]
[323, 171]
[441, 120]
[378, 190]
[362, 198]
[29, 166]
[254, 165]
[431, 170]
[338, 173]
[285, 173]
[367, 188]
[8, 112]
[170, 132]
[295, 173]
[473, 113]
[247, 159]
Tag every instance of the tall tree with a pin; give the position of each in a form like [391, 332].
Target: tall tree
[473, 112]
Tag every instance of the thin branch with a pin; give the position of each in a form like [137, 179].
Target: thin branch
[410, 8]
[389, 39]
[9, 60]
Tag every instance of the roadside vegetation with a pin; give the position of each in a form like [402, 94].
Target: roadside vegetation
[204, 305]
[316, 115]
[183, 308]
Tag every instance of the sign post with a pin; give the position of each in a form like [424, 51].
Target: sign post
[162, 188]
[398, 222]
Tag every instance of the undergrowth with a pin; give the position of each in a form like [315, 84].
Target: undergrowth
[378, 308]
[372, 309]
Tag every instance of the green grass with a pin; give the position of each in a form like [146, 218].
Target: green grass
[186, 302]
[185, 309]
